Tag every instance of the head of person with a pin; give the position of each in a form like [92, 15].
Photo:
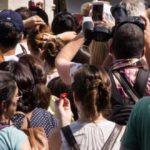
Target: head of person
[134, 7]
[31, 93]
[64, 21]
[128, 41]
[57, 87]
[44, 49]
[11, 28]
[50, 50]
[91, 90]
[41, 13]
[25, 14]
[36, 67]
[35, 40]
[8, 94]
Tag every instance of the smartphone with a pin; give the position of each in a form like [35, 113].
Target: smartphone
[101, 9]
[97, 11]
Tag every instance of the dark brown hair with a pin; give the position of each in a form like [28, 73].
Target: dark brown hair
[51, 50]
[92, 88]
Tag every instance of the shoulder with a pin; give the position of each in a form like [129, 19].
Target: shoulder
[12, 137]
[46, 115]
[85, 128]
[74, 67]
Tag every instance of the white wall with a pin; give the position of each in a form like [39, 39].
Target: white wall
[14, 4]
[3, 4]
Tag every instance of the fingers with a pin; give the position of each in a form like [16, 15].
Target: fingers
[146, 20]
[38, 20]
[63, 103]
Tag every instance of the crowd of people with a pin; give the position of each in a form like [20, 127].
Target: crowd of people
[72, 86]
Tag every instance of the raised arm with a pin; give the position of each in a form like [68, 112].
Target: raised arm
[63, 60]
[147, 40]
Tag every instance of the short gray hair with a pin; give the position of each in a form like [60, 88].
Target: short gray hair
[134, 7]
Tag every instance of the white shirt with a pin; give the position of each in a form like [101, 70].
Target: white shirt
[91, 136]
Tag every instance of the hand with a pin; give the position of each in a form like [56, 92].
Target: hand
[106, 23]
[67, 36]
[64, 111]
[33, 21]
[147, 39]
[45, 36]
[146, 31]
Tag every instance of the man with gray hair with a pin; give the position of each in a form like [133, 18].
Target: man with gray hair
[134, 7]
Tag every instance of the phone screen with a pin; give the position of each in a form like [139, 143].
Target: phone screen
[97, 12]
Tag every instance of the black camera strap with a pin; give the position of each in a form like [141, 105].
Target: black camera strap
[70, 138]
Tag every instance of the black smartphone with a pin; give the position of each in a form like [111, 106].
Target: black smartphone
[97, 11]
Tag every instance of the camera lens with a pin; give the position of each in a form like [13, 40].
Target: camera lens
[118, 12]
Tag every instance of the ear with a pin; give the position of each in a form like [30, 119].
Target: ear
[144, 51]
[3, 105]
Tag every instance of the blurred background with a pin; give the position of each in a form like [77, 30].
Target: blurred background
[50, 6]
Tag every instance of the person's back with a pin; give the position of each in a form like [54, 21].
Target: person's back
[11, 138]
[35, 97]
[11, 28]
[92, 135]
[137, 134]
[128, 67]
[92, 130]
[39, 118]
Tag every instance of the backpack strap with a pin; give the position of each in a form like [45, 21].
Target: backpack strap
[112, 138]
[141, 81]
[24, 52]
[130, 91]
[70, 138]
[116, 95]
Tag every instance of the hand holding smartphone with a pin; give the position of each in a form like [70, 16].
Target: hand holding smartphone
[100, 10]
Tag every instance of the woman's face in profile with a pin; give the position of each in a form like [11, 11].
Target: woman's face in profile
[13, 104]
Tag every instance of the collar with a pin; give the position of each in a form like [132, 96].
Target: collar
[122, 63]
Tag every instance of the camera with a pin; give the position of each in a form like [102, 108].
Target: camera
[101, 33]
[97, 33]
[100, 9]
[121, 17]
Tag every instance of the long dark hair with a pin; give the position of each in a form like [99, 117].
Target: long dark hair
[7, 88]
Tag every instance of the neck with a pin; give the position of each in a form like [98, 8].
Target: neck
[83, 118]
[4, 119]
[8, 52]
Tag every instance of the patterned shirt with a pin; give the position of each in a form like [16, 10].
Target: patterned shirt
[129, 69]
[40, 118]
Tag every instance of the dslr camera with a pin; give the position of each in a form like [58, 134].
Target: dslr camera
[95, 33]
[121, 17]
[102, 33]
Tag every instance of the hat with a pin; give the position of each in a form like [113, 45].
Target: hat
[13, 17]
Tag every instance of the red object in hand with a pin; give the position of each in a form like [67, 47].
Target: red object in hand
[63, 96]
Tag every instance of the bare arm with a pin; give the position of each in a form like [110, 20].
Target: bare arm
[54, 139]
[25, 145]
[147, 40]
[108, 60]
[63, 60]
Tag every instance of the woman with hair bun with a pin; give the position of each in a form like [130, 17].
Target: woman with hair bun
[91, 90]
